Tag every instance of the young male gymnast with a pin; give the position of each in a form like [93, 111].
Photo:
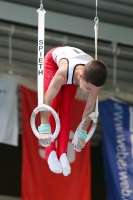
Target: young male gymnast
[65, 69]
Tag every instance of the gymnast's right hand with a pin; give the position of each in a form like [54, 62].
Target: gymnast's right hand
[44, 134]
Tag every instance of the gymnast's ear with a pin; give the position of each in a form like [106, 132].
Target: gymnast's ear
[80, 74]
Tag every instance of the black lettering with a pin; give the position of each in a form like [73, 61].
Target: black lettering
[40, 65]
[40, 42]
[40, 60]
[40, 54]
[40, 47]
[40, 72]
[76, 51]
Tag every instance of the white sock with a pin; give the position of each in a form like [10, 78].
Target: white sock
[53, 163]
[65, 165]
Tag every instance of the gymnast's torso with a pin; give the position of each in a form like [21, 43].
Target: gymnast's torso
[74, 57]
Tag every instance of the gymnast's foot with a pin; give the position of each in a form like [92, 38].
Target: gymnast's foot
[53, 163]
[65, 165]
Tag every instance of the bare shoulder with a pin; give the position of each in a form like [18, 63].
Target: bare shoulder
[63, 66]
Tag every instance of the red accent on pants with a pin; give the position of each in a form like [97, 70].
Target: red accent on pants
[62, 104]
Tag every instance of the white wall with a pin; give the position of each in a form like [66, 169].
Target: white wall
[66, 23]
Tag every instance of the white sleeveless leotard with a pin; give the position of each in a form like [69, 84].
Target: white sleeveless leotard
[74, 57]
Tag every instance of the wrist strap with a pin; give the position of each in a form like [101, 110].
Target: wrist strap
[44, 128]
[82, 135]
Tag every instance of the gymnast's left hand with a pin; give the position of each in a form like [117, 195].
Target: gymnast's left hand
[45, 139]
[80, 145]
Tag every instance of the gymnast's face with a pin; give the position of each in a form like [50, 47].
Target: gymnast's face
[88, 88]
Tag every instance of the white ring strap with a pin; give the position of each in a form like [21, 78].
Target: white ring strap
[94, 114]
[40, 76]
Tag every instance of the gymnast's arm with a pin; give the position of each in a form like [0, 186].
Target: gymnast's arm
[58, 80]
[54, 87]
[89, 108]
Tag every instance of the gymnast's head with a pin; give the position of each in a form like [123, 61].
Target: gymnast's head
[93, 76]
